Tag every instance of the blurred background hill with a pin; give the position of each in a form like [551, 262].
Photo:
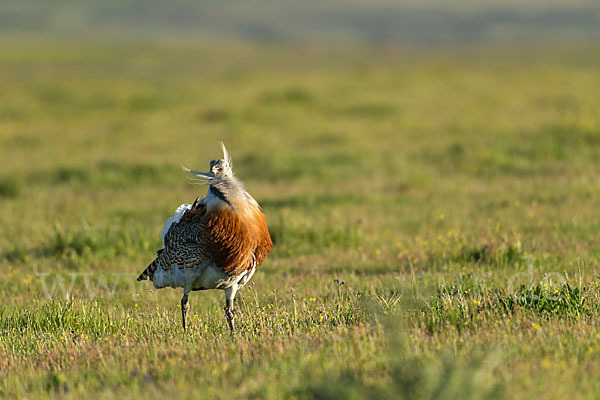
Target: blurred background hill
[408, 22]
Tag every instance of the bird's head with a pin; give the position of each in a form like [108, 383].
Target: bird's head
[220, 169]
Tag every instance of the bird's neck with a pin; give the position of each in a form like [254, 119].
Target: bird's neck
[226, 192]
[218, 196]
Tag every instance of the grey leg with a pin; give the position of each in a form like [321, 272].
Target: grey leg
[229, 314]
[185, 307]
[229, 297]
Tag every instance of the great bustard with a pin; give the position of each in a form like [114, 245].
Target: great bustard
[215, 243]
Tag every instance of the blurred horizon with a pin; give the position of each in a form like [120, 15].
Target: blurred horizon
[407, 23]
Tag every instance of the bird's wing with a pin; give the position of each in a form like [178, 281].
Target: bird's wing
[199, 204]
[183, 242]
[174, 219]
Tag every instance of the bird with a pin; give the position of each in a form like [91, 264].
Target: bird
[217, 242]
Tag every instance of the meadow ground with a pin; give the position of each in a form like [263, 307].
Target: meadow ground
[434, 217]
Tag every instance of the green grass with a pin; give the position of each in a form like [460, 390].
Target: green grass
[434, 218]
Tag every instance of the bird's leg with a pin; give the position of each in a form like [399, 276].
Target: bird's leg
[229, 297]
[185, 307]
[229, 314]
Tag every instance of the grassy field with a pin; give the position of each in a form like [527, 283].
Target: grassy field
[434, 217]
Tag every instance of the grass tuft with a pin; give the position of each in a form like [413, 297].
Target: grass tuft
[9, 188]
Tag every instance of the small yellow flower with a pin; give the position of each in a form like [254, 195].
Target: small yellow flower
[546, 363]
[535, 326]
[476, 302]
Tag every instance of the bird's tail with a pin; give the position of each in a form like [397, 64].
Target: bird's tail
[149, 271]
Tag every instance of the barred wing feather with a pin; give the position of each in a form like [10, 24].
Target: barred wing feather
[183, 242]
